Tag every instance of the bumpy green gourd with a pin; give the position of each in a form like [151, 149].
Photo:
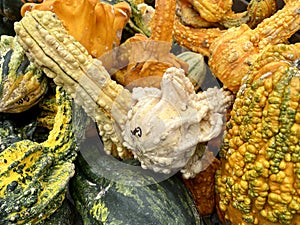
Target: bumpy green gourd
[34, 176]
[11, 133]
[259, 181]
[22, 84]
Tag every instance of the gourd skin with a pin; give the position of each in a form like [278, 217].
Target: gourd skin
[104, 100]
[22, 84]
[34, 176]
[97, 25]
[102, 201]
[259, 180]
[196, 67]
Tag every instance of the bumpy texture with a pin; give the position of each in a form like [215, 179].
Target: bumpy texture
[168, 140]
[22, 84]
[65, 60]
[86, 80]
[234, 51]
[96, 25]
[259, 181]
[34, 176]
[200, 23]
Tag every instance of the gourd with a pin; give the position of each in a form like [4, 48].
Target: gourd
[64, 215]
[10, 132]
[34, 176]
[259, 178]
[100, 200]
[135, 24]
[196, 67]
[22, 84]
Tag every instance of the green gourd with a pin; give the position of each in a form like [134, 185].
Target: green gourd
[101, 200]
[22, 84]
[197, 67]
[34, 176]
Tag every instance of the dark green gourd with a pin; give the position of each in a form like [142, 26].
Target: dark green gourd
[103, 201]
[34, 176]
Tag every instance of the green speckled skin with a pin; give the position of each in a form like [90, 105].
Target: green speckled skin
[102, 201]
[34, 176]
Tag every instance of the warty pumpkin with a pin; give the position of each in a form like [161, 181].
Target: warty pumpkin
[259, 179]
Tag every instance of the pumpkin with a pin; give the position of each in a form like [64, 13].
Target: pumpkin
[22, 84]
[34, 176]
[259, 178]
[137, 200]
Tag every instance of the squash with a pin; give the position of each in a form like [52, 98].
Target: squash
[65, 215]
[34, 176]
[22, 84]
[10, 132]
[202, 185]
[97, 25]
[196, 67]
[136, 23]
[259, 178]
[135, 201]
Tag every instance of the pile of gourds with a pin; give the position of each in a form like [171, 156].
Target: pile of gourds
[256, 177]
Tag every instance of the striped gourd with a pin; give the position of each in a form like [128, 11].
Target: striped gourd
[34, 176]
[22, 84]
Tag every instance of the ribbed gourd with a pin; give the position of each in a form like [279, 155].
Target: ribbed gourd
[196, 67]
[259, 179]
[106, 191]
[34, 176]
[22, 84]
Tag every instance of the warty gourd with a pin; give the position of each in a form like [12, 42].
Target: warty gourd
[259, 179]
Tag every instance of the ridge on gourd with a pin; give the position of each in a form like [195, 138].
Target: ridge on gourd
[241, 45]
[112, 107]
[22, 84]
[259, 178]
[34, 176]
[82, 76]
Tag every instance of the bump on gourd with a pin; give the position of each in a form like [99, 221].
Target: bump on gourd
[34, 176]
[258, 182]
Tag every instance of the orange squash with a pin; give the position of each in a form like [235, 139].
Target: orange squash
[96, 25]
